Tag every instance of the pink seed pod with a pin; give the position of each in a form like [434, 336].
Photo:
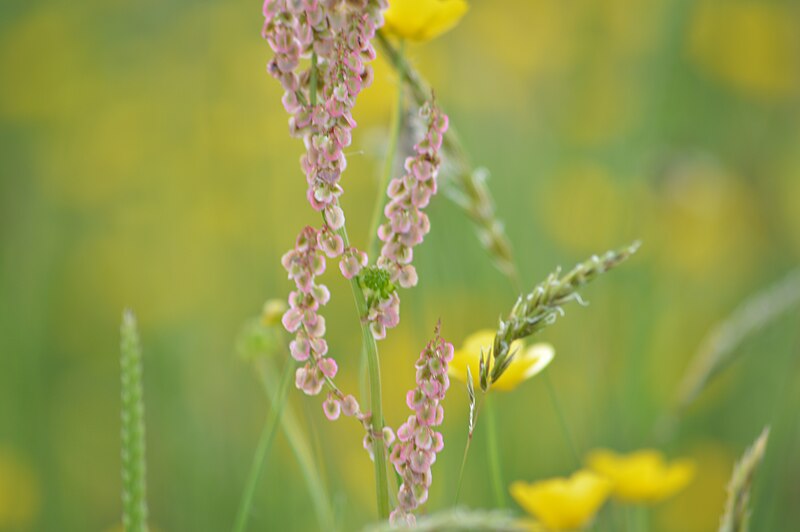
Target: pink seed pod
[332, 407]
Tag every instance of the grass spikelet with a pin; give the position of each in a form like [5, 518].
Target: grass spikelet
[737, 512]
[543, 306]
[718, 348]
[134, 503]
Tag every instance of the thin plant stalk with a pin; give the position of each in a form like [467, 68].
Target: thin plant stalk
[395, 127]
[467, 446]
[134, 501]
[562, 420]
[373, 364]
[299, 445]
[264, 445]
[371, 349]
[495, 469]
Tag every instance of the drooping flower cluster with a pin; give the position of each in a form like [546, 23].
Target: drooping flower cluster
[304, 263]
[418, 442]
[407, 224]
[336, 35]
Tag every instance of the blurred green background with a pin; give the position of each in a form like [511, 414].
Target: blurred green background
[145, 162]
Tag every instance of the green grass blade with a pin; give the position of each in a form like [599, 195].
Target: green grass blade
[264, 446]
[719, 348]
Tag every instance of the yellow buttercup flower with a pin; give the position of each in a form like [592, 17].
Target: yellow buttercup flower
[422, 20]
[641, 476]
[563, 503]
[527, 362]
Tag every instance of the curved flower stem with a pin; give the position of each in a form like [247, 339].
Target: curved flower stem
[371, 348]
[562, 420]
[494, 457]
[264, 445]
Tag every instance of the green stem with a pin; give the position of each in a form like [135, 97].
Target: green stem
[299, 445]
[264, 444]
[562, 420]
[395, 128]
[373, 363]
[466, 448]
[494, 457]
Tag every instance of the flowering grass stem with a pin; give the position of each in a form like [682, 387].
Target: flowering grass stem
[373, 364]
[562, 420]
[264, 445]
[494, 456]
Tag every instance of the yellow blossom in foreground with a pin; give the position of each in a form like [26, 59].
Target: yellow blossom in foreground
[641, 476]
[422, 20]
[527, 362]
[563, 504]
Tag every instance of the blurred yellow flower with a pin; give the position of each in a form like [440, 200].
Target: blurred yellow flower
[273, 311]
[750, 45]
[563, 504]
[641, 476]
[422, 20]
[527, 362]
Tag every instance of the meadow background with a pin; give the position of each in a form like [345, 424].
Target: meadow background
[145, 163]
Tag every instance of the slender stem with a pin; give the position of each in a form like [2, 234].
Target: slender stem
[370, 347]
[494, 457]
[373, 363]
[264, 444]
[562, 420]
[466, 448]
[298, 443]
[395, 128]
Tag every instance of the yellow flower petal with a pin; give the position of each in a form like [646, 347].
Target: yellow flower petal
[422, 20]
[563, 504]
[527, 362]
[641, 476]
